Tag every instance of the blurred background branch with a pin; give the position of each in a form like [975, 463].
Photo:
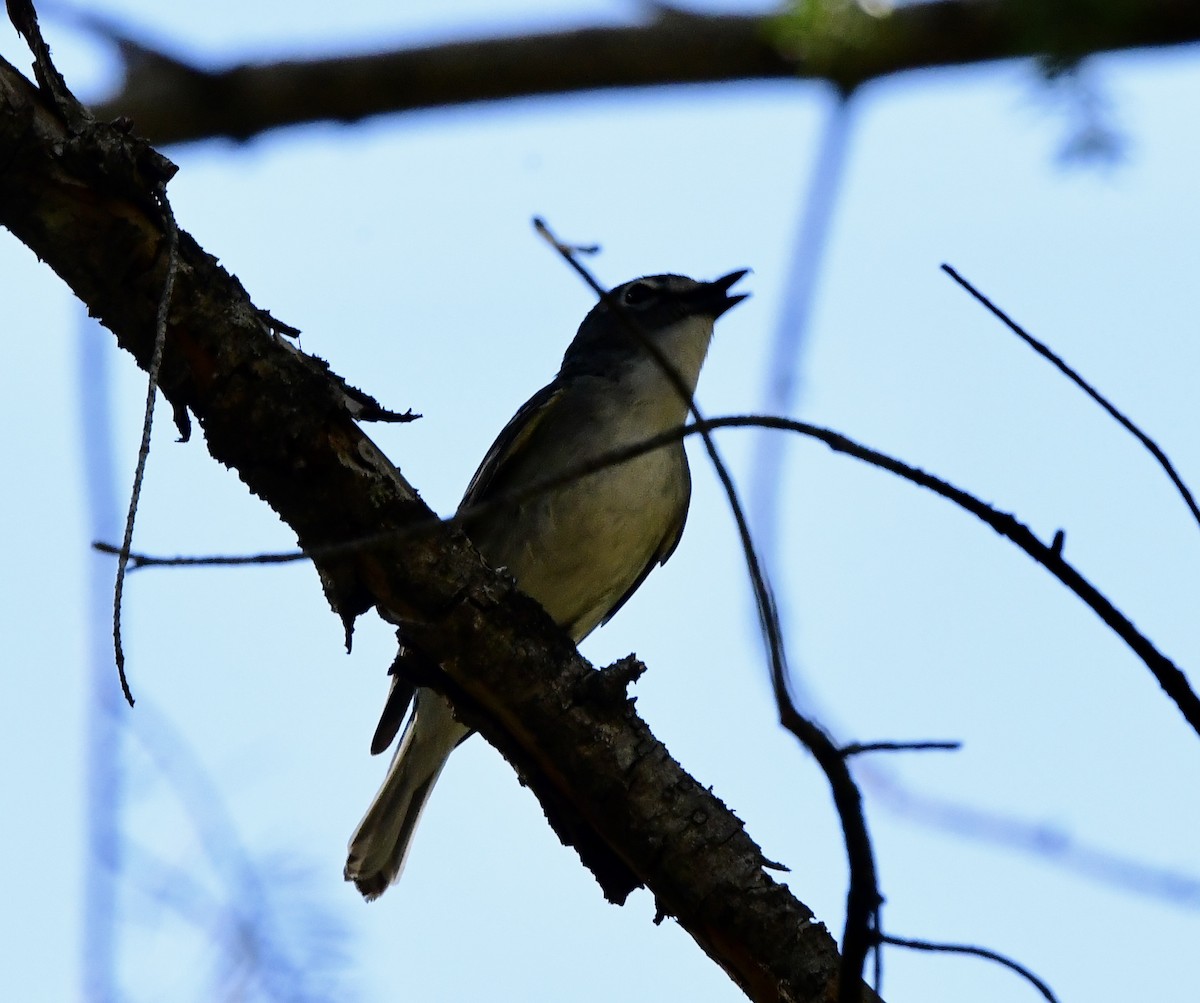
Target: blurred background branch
[173, 100]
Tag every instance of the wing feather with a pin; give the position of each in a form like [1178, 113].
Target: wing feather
[490, 477]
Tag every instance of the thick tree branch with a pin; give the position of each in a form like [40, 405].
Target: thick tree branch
[172, 101]
[279, 419]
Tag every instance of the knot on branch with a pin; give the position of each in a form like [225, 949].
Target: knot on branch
[609, 686]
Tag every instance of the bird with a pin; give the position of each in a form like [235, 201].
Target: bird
[580, 548]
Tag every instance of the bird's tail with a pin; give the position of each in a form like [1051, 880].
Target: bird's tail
[380, 844]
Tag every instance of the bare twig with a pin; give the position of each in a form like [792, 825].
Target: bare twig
[862, 898]
[81, 126]
[24, 18]
[857, 748]
[1045, 352]
[1050, 556]
[1168, 675]
[978, 952]
[160, 339]
[137, 561]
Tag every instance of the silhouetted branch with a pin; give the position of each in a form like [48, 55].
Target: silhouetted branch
[978, 952]
[137, 560]
[858, 748]
[51, 83]
[1033, 838]
[1050, 556]
[1172, 680]
[1045, 352]
[286, 428]
[862, 897]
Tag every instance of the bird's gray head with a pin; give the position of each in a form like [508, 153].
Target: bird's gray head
[673, 312]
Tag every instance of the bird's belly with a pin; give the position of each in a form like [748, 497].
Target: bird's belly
[578, 549]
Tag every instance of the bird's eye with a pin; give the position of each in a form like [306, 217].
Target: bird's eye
[638, 294]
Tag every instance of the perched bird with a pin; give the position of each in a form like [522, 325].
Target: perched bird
[580, 549]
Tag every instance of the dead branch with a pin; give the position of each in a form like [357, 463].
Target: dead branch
[609, 787]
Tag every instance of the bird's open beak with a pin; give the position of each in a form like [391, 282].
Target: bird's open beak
[716, 293]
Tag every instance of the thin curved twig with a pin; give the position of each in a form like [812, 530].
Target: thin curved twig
[1169, 676]
[862, 896]
[160, 340]
[1047, 353]
[978, 952]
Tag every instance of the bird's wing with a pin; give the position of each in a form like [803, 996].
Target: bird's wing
[504, 459]
[489, 479]
[492, 473]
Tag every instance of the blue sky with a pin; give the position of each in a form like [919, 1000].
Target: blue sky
[402, 249]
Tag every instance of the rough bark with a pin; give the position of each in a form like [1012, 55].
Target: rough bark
[85, 204]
